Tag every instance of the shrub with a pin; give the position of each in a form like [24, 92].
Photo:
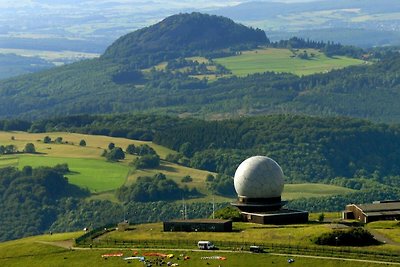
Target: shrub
[30, 148]
[357, 236]
[147, 162]
[111, 146]
[210, 178]
[228, 213]
[131, 149]
[187, 179]
[115, 154]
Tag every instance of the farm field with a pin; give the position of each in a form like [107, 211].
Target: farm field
[282, 60]
[53, 250]
[93, 174]
[90, 170]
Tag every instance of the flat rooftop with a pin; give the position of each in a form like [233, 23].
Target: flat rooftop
[200, 221]
[276, 212]
[379, 206]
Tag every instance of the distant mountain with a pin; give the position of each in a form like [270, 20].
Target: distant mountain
[270, 9]
[376, 24]
[184, 34]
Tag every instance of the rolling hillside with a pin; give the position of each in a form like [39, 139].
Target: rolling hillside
[87, 194]
[57, 250]
[90, 170]
[128, 78]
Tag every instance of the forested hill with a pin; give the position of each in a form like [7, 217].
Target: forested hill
[131, 77]
[183, 35]
[311, 149]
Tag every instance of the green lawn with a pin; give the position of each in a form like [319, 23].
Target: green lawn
[90, 170]
[96, 175]
[280, 60]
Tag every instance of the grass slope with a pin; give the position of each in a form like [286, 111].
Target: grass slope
[281, 60]
[294, 191]
[93, 174]
[46, 250]
[90, 170]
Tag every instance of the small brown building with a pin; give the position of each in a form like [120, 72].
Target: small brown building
[198, 225]
[282, 216]
[376, 211]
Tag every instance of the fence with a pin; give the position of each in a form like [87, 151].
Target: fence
[348, 252]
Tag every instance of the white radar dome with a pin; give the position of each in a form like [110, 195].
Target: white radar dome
[259, 177]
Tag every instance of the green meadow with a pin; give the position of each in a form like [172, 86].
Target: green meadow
[55, 250]
[90, 170]
[293, 191]
[93, 174]
[283, 60]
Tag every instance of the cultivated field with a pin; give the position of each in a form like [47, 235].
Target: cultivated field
[283, 60]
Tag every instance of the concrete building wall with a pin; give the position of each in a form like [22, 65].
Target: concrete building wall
[286, 218]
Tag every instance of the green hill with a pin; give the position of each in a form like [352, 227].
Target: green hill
[130, 76]
[86, 195]
[182, 34]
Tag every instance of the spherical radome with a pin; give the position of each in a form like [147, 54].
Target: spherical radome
[259, 177]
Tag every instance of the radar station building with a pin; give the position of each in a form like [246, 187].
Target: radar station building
[376, 211]
[259, 184]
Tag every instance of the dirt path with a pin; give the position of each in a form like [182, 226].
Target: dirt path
[383, 238]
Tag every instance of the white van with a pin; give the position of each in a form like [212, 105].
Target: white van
[206, 245]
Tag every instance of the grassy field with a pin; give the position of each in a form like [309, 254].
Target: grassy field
[93, 174]
[390, 229]
[43, 251]
[294, 191]
[281, 60]
[297, 235]
[90, 170]
[95, 143]
[300, 234]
